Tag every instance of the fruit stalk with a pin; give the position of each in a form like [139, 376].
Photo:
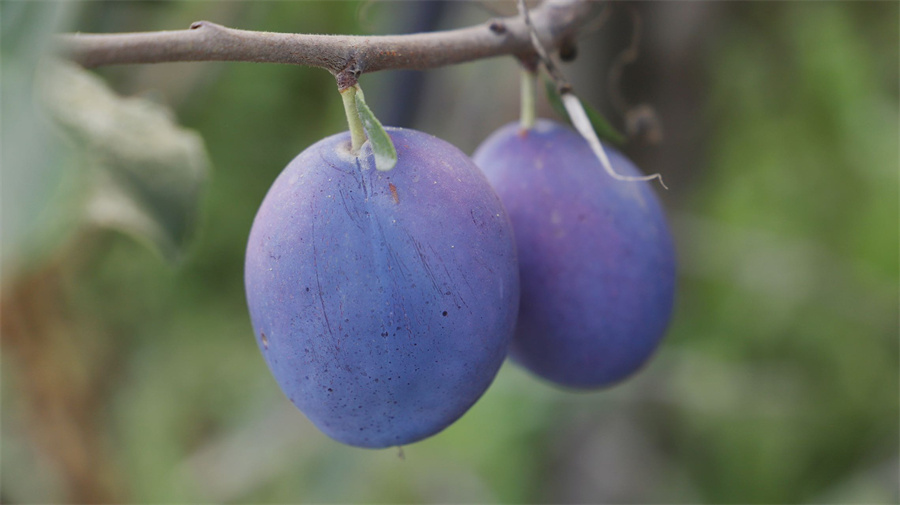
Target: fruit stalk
[527, 118]
[357, 133]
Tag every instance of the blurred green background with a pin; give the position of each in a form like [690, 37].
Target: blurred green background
[125, 379]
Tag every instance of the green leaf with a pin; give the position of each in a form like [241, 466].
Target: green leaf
[146, 172]
[604, 130]
[382, 146]
[40, 185]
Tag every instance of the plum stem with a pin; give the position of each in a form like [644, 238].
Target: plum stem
[527, 118]
[357, 133]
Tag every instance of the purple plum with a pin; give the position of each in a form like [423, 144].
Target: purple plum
[383, 302]
[596, 259]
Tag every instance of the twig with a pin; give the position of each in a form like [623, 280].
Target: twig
[641, 120]
[573, 105]
[625, 57]
[597, 22]
[537, 46]
[344, 56]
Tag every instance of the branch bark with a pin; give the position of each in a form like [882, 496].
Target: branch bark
[344, 56]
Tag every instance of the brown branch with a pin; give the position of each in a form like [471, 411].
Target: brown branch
[343, 55]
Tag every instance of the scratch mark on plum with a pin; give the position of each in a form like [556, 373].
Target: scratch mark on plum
[425, 264]
[465, 278]
[332, 165]
[318, 283]
[354, 217]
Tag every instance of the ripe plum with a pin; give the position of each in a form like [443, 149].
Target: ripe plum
[383, 302]
[596, 259]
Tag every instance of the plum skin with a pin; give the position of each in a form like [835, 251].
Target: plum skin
[596, 259]
[382, 302]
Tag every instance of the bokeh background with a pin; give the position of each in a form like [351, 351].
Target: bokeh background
[126, 378]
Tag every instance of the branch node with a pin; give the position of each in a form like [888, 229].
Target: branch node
[209, 25]
[349, 76]
[567, 49]
[498, 27]
[530, 61]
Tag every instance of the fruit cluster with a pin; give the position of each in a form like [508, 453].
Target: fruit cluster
[385, 302]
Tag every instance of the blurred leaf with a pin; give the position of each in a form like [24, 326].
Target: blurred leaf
[601, 126]
[148, 172]
[39, 190]
[382, 146]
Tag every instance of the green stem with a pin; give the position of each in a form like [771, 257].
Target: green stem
[357, 133]
[529, 80]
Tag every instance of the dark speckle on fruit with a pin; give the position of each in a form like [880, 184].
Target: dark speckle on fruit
[394, 192]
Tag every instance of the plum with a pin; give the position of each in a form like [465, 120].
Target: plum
[382, 302]
[596, 259]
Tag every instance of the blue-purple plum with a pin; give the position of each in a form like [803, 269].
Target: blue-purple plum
[596, 259]
[383, 302]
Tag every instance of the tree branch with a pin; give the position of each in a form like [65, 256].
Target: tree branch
[344, 56]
